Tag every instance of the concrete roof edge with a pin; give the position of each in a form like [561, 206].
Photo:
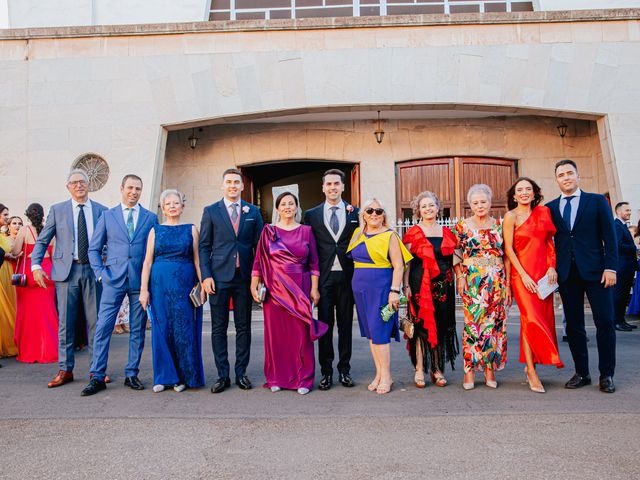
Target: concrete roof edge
[567, 16]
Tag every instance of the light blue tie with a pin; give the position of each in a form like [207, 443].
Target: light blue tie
[130, 228]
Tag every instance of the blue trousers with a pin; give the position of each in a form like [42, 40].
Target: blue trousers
[110, 303]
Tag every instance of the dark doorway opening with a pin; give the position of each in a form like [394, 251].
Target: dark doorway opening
[307, 174]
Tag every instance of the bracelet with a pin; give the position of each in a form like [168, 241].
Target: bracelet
[460, 276]
[394, 290]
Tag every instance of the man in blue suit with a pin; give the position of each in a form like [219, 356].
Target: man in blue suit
[123, 232]
[229, 234]
[587, 259]
[72, 223]
[627, 265]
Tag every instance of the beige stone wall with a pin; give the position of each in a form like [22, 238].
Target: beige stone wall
[116, 91]
[533, 141]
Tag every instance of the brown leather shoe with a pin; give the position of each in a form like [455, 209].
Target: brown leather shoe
[60, 379]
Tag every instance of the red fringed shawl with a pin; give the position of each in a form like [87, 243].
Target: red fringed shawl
[422, 248]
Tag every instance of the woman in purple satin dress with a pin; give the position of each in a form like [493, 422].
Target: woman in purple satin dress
[287, 263]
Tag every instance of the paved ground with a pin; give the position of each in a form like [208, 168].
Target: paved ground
[343, 433]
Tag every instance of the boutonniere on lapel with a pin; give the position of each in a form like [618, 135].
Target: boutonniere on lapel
[349, 208]
[245, 209]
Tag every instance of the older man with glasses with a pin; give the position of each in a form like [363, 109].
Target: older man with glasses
[72, 223]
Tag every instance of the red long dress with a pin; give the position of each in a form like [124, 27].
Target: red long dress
[533, 244]
[36, 333]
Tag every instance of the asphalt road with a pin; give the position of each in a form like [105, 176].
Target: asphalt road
[343, 433]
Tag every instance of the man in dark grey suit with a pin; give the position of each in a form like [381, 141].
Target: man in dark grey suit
[71, 223]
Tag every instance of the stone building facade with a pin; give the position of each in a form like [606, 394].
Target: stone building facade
[283, 98]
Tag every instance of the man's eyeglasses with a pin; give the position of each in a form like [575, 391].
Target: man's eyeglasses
[378, 211]
[77, 182]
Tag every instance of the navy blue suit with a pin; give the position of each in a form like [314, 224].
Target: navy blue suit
[583, 253]
[627, 266]
[120, 275]
[219, 247]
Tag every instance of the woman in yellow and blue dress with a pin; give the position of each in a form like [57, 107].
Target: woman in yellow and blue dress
[379, 260]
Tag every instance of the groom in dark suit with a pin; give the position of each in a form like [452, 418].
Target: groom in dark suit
[229, 234]
[627, 266]
[587, 259]
[333, 223]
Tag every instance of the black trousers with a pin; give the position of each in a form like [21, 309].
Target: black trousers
[238, 290]
[621, 295]
[336, 306]
[572, 292]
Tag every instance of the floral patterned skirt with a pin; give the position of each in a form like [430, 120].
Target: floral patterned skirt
[484, 338]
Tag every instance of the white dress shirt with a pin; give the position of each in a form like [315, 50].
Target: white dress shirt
[228, 203]
[136, 214]
[88, 216]
[342, 222]
[575, 201]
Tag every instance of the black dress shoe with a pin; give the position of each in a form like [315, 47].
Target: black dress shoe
[346, 380]
[221, 385]
[606, 384]
[623, 327]
[326, 382]
[94, 387]
[632, 327]
[578, 381]
[243, 382]
[133, 383]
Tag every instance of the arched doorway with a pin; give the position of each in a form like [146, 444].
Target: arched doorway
[307, 174]
[450, 179]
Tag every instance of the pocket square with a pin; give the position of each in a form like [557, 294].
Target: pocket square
[250, 220]
[354, 221]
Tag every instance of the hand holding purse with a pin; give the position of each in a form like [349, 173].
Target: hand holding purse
[20, 279]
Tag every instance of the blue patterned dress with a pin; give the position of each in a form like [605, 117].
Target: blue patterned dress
[177, 326]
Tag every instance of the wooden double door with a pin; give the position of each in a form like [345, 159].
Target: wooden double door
[450, 178]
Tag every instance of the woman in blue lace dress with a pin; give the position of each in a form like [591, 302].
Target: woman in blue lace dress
[170, 271]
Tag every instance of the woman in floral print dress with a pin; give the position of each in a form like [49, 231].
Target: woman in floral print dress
[481, 281]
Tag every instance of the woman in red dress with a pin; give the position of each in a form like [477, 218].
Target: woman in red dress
[528, 234]
[36, 333]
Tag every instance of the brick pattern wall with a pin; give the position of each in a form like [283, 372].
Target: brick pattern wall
[274, 9]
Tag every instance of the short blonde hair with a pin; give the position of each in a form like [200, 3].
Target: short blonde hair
[415, 203]
[367, 204]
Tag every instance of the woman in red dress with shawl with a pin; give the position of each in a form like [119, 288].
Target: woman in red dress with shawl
[528, 234]
[429, 285]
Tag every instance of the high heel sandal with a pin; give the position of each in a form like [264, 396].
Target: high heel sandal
[539, 389]
[384, 388]
[418, 379]
[438, 379]
[490, 383]
[469, 385]
[373, 386]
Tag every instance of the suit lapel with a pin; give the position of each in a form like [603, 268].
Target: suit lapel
[69, 210]
[242, 217]
[557, 214]
[222, 211]
[117, 212]
[96, 213]
[584, 199]
[143, 216]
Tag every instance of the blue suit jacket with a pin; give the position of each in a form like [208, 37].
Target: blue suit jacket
[219, 242]
[627, 251]
[124, 258]
[592, 241]
[59, 224]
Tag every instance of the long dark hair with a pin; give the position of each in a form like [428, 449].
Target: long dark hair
[35, 214]
[537, 193]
